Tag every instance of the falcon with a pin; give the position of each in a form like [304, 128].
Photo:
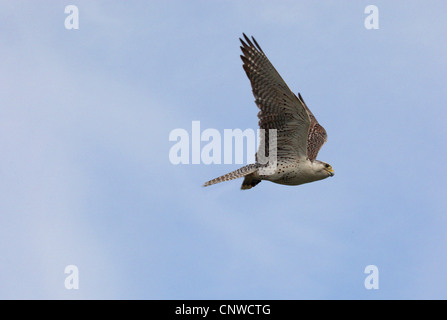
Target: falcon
[284, 116]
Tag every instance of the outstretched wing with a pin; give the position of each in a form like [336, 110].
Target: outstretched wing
[280, 107]
[317, 135]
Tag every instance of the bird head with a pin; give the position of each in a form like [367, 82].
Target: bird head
[323, 169]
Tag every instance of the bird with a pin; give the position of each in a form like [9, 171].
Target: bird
[285, 116]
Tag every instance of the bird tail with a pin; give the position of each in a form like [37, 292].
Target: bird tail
[246, 172]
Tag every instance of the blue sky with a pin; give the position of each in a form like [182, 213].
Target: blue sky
[85, 177]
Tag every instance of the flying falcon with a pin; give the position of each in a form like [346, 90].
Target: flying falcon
[299, 136]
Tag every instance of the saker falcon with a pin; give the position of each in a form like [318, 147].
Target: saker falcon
[299, 136]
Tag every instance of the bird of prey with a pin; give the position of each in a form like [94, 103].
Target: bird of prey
[299, 136]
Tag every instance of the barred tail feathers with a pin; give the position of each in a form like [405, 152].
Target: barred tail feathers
[239, 173]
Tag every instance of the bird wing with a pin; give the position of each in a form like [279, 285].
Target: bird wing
[280, 108]
[317, 135]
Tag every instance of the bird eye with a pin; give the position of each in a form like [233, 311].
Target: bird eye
[327, 165]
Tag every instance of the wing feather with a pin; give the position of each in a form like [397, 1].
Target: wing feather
[280, 108]
[317, 134]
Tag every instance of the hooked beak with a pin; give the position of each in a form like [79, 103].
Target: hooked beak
[331, 172]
